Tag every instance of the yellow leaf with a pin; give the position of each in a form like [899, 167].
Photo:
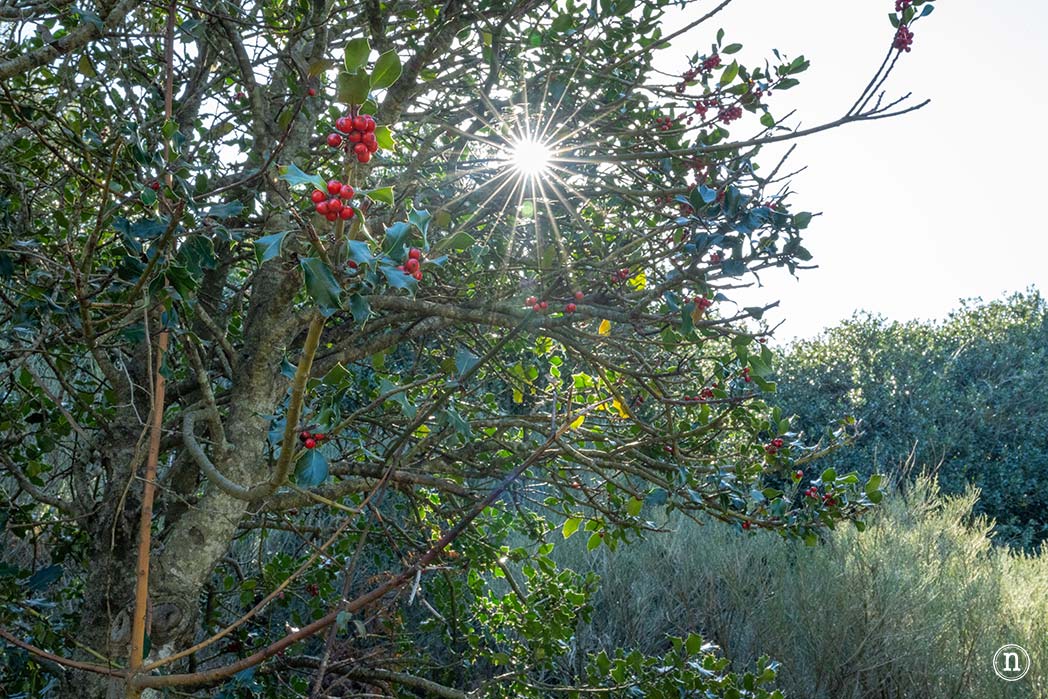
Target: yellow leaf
[605, 327]
[697, 313]
[518, 397]
[620, 408]
[639, 282]
[577, 422]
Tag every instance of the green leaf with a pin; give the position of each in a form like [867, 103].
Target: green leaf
[357, 52]
[382, 194]
[571, 525]
[312, 469]
[359, 307]
[464, 361]
[894, 19]
[387, 70]
[269, 247]
[829, 475]
[731, 48]
[633, 507]
[730, 73]
[395, 239]
[227, 210]
[802, 220]
[321, 285]
[385, 138]
[399, 280]
[148, 196]
[767, 120]
[44, 577]
[594, 541]
[359, 251]
[874, 484]
[294, 177]
[352, 88]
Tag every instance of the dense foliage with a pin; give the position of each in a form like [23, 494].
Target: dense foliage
[961, 395]
[295, 356]
[864, 616]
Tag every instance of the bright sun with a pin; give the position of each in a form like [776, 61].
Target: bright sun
[530, 157]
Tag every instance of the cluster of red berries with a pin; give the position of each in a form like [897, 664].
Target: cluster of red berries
[715, 258]
[797, 475]
[746, 375]
[311, 439]
[712, 62]
[359, 137]
[334, 203]
[730, 114]
[746, 525]
[536, 305]
[664, 123]
[702, 302]
[773, 446]
[620, 276]
[704, 394]
[413, 265]
[903, 39]
[704, 105]
[901, 5]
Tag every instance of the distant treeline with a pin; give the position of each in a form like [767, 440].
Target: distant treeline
[967, 395]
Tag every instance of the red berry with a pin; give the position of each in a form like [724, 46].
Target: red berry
[411, 265]
[746, 525]
[355, 136]
[360, 149]
[372, 147]
[317, 196]
[401, 268]
[334, 187]
[344, 124]
[368, 138]
[579, 296]
[311, 92]
[624, 273]
[346, 192]
[360, 123]
[304, 435]
[415, 254]
[531, 301]
[370, 126]
[570, 308]
[322, 208]
[155, 186]
[363, 157]
[351, 264]
[543, 305]
[310, 443]
[536, 307]
[418, 275]
[334, 140]
[798, 475]
[346, 213]
[319, 436]
[331, 216]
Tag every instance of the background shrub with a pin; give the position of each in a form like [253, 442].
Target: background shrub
[965, 393]
[913, 607]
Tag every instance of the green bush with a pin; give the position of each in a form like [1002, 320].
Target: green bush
[913, 607]
[966, 393]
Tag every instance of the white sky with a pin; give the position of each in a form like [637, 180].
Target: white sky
[920, 210]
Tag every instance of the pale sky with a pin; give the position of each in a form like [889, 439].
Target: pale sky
[921, 210]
